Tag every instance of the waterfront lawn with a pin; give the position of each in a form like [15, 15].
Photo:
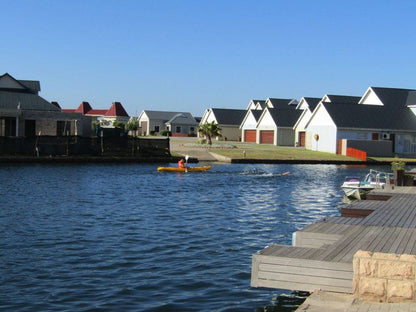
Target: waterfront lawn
[276, 152]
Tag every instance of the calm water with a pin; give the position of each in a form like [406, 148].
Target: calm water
[127, 238]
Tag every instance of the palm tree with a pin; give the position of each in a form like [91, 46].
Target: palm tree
[209, 129]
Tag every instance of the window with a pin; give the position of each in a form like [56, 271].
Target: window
[156, 128]
[178, 129]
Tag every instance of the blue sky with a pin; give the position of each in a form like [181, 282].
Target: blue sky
[193, 55]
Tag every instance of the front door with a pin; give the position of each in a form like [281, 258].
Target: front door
[301, 138]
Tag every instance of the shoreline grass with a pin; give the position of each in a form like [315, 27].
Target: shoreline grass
[244, 150]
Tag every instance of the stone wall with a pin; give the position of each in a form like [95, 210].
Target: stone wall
[383, 277]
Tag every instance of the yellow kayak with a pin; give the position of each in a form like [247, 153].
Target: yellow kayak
[187, 169]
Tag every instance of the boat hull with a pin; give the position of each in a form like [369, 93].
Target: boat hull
[188, 169]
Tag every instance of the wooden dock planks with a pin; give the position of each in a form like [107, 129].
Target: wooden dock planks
[321, 257]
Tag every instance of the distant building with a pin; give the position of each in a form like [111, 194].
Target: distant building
[23, 113]
[116, 112]
[177, 123]
[228, 120]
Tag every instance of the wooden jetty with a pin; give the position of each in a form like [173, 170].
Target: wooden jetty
[322, 253]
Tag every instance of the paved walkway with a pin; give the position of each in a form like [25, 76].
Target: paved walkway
[187, 146]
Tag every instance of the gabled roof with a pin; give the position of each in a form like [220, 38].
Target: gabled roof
[161, 115]
[254, 103]
[282, 103]
[312, 102]
[395, 97]
[182, 119]
[232, 117]
[346, 115]
[56, 104]
[27, 101]
[14, 85]
[256, 114]
[343, 98]
[31, 84]
[116, 109]
[285, 117]
[83, 108]
[261, 103]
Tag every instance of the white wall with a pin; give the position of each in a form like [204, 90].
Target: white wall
[250, 123]
[266, 123]
[370, 98]
[302, 123]
[322, 124]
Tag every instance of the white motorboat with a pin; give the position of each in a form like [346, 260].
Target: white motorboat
[354, 187]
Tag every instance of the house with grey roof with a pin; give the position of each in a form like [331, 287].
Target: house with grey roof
[248, 126]
[382, 122]
[24, 113]
[228, 120]
[177, 123]
[306, 105]
[276, 126]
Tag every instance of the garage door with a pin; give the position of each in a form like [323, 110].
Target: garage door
[250, 135]
[267, 137]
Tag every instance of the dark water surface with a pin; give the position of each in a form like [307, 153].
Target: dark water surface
[127, 238]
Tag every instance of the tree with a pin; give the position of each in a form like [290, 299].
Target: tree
[209, 130]
[118, 124]
[132, 126]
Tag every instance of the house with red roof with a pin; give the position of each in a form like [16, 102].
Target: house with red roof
[116, 112]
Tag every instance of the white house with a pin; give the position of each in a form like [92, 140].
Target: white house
[382, 115]
[248, 126]
[276, 126]
[306, 105]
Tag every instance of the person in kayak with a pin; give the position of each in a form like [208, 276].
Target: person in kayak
[181, 163]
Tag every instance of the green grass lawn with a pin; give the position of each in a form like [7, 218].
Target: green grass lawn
[275, 152]
[241, 150]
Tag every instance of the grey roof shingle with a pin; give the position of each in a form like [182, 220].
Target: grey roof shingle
[28, 101]
[262, 103]
[343, 98]
[285, 117]
[312, 102]
[346, 115]
[282, 103]
[232, 117]
[256, 113]
[31, 84]
[393, 97]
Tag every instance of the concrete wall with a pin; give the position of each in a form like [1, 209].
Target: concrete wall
[375, 148]
[285, 137]
[382, 277]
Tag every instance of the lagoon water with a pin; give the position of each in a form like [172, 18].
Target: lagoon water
[127, 238]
